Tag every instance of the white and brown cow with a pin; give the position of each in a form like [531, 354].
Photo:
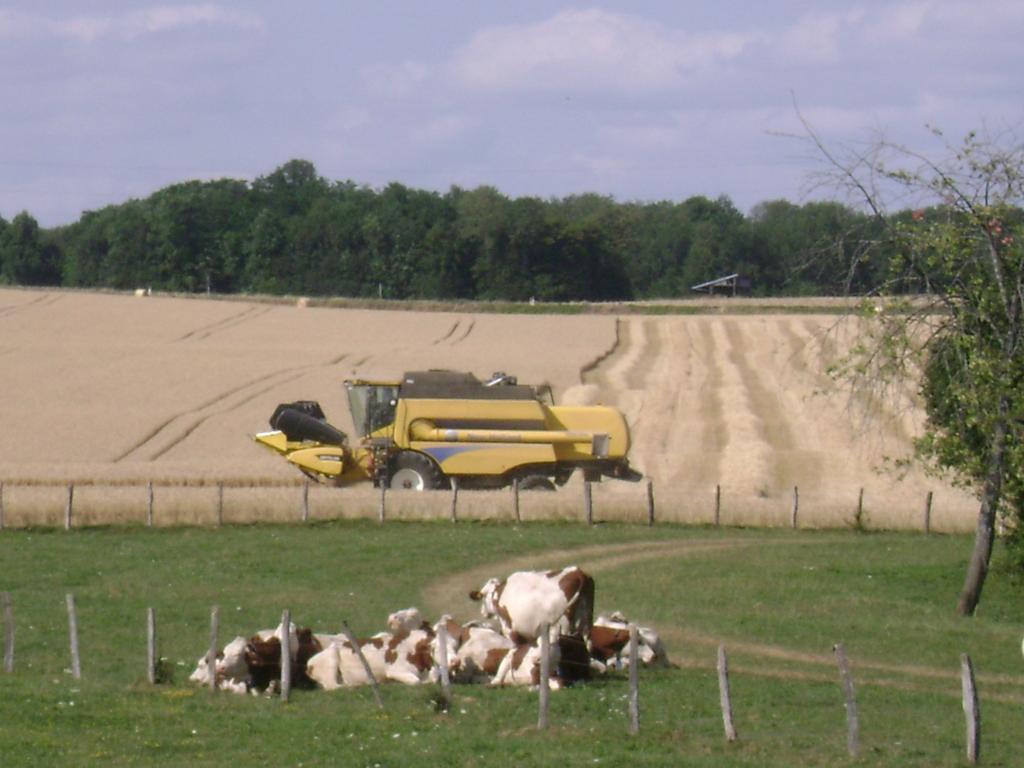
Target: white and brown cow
[405, 656]
[263, 657]
[526, 600]
[405, 620]
[609, 643]
[521, 665]
[480, 653]
[256, 662]
[230, 668]
[338, 665]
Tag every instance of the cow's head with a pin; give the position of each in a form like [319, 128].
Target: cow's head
[488, 596]
[405, 620]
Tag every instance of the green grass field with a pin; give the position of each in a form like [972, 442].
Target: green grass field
[778, 600]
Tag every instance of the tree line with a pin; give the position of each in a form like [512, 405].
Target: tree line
[295, 232]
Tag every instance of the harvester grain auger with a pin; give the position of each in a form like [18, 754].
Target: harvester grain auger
[435, 427]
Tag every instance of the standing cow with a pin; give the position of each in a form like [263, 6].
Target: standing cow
[526, 600]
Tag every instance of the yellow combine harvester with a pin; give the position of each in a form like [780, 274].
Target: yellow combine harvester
[435, 427]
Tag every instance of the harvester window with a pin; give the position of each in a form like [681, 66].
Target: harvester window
[372, 406]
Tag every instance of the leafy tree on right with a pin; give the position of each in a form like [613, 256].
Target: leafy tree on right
[950, 313]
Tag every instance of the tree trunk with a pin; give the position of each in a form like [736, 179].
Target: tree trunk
[977, 569]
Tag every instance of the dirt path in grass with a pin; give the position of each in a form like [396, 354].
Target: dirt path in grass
[450, 595]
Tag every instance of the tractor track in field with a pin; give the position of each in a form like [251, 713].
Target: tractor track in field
[190, 420]
[450, 595]
[445, 337]
[199, 417]
[205, 331]
[44, 300]
[464, 328]
[465, 333]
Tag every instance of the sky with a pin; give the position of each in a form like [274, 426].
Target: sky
[104, 101]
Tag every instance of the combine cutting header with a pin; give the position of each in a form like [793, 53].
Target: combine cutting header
[433, 427]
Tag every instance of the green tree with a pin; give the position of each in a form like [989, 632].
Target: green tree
[24, 257]
[663, 236]
[4, 233]
[267, 268]
[482, 226]
[963, 247]
[720, 241]
[291, 189]
[813, 248]
[129, 261]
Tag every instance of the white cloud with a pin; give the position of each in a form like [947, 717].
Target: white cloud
[395, 80]
[591, 50]
[972, 17]
[443, 129]
[902, 24]
[902, 19]
[15, 25]
[127, 26]
[817, 35]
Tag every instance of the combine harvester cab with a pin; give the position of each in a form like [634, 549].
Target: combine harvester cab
[435, 427]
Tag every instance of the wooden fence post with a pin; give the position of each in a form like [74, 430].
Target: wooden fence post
[928, 514]
[305, 502]
[442, 652]
[5, 600]
[76, 662]
[971, 710]
[68, 505]
[211, 653]
[860, 505]
[366, 665]
[545, 676]
[852, 723]
[723, 695]
[383, 502]
[149, 504]
[1, 505]
[515, 500]
[588, 502]
[220, 504]
[453, 513]
[796, 507]
[634, 679]
[286, 655]
[650, 502]
[151, 646]
[718, 505]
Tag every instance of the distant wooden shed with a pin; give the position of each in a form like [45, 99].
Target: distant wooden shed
[730, 285]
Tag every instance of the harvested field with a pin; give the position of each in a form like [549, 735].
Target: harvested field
[111, 389]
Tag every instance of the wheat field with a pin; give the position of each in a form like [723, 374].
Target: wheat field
[115, 391]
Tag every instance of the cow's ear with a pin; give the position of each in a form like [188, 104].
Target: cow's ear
[476, 594]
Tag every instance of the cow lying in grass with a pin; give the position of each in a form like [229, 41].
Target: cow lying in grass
[610, 647]
[410, 650]
[255, 663]
[409, 654]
